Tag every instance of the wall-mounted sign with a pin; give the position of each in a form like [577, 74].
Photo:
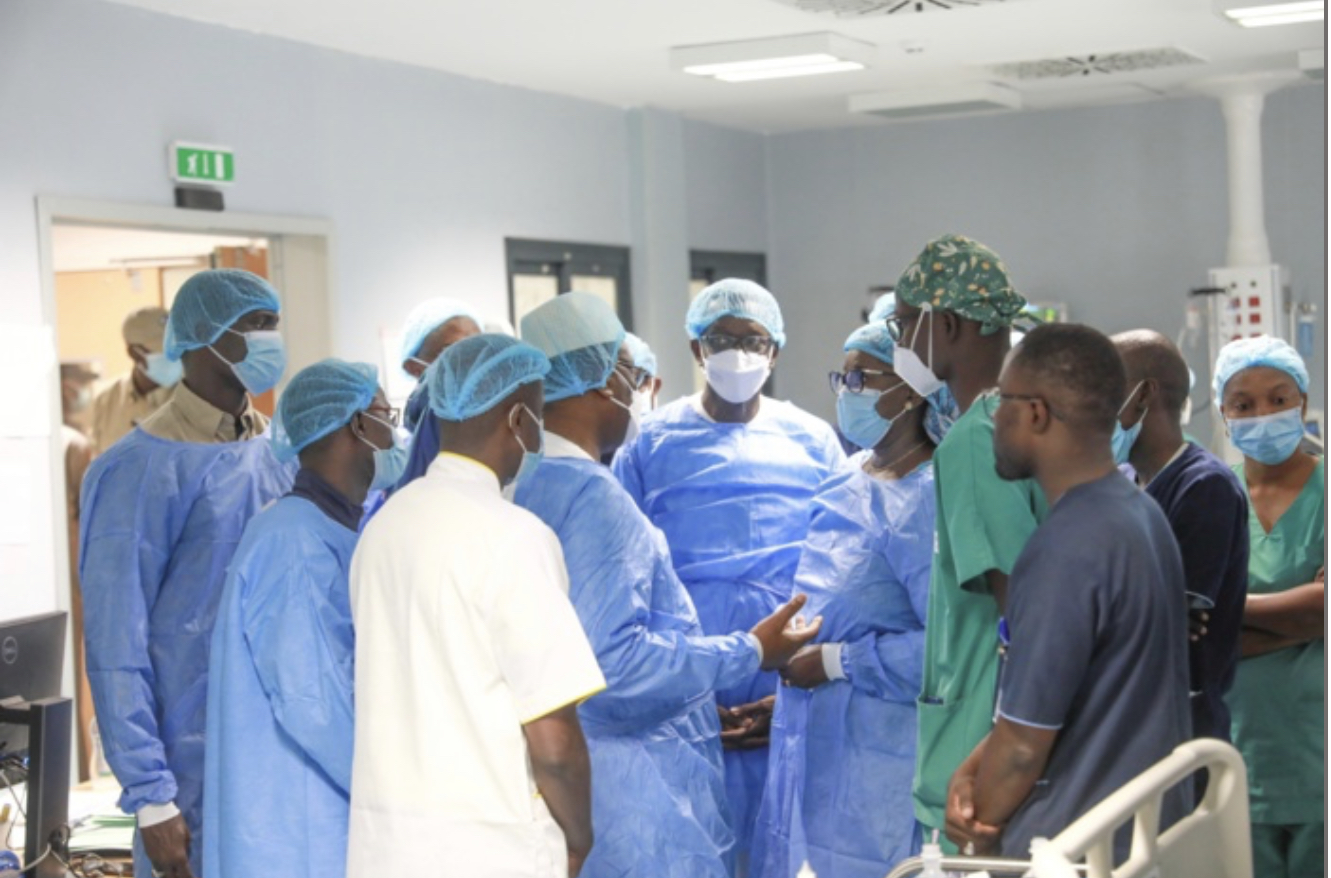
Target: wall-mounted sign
[201, 163]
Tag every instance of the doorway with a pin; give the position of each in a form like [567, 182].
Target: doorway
[102, 260]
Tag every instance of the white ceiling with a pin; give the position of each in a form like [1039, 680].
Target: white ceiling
[99, 248]
[616, 51]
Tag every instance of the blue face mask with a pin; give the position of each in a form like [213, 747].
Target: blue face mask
[530, 459]
[858, 418]
[390, 462]
[1123, 440]
[161, 371]
[941, 413]
[1269, 439]
[265, 360]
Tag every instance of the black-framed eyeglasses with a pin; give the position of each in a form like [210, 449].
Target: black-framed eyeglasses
[853, 379]
[634, 375]
[715, 343]
[991, 399]
[896, 326]
[389, 414]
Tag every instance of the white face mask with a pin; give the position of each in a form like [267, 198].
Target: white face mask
[736, 375]
[911, 369]
[642, 402]
[634, 428]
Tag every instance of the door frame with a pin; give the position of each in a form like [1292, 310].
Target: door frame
[301, 253]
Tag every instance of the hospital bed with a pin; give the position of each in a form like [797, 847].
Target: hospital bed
[1211, 842]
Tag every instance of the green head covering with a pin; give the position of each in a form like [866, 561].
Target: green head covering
[957, 274]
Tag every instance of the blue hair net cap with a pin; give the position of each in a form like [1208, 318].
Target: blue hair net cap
[318, 400]
[642, 354]
[478, 373]
[428, 316]
[733, 297]
[581, 335]
[883, 307]
[209, 303]
[1261, 350]
[873, 337]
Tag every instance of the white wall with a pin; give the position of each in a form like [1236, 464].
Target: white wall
[1117, 211]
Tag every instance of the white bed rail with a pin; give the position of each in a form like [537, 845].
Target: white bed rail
[1213, 841]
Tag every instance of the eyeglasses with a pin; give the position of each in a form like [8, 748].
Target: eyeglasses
[896, 326]
[716, 343]
[853, 379]
[635, 376]
[391, 415]
[991, 399]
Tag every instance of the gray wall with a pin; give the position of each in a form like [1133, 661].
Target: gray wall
[1116, 211]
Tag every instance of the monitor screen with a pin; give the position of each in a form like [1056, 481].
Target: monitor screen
[32, 653]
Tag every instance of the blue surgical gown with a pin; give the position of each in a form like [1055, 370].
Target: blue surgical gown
[733, 502]
[424, 446]
[658, 799]
[161, 520]
[277, 778]
[843, 754]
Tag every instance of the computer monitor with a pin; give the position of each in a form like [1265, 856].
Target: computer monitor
[32, 653]
[36, 727]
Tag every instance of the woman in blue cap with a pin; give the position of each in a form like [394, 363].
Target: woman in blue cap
[1278, 702]
[277, 767]
[843, 736]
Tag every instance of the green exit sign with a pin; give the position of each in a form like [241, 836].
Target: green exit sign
[202, 163]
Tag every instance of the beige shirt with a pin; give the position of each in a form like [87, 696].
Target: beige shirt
[120, 408]
[187, 417]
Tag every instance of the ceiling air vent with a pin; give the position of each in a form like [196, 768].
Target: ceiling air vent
[1104, 64]
[855, 8]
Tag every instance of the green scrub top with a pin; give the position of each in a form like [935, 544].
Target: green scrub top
[1278, 701]
[982, 524]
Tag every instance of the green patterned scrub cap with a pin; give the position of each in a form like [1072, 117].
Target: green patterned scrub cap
[957, 274]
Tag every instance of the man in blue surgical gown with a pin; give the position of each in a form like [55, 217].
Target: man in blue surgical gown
[728, 475]
[277, 768]
[163, 511]
[658, 799]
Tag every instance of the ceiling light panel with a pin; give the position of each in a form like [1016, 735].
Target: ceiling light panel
[1255, 13]
[773, 58]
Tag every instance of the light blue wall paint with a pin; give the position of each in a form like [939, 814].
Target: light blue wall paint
[422, 173]
[1116, 211]
[726, 176]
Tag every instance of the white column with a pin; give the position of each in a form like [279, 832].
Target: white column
[1241, 98]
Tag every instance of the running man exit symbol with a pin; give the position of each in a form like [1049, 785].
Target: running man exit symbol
[202, 163]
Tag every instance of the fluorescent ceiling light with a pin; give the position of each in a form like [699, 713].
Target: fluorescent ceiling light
[784, 72]
[761, 64]
[1271, 14]
[774, 58]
